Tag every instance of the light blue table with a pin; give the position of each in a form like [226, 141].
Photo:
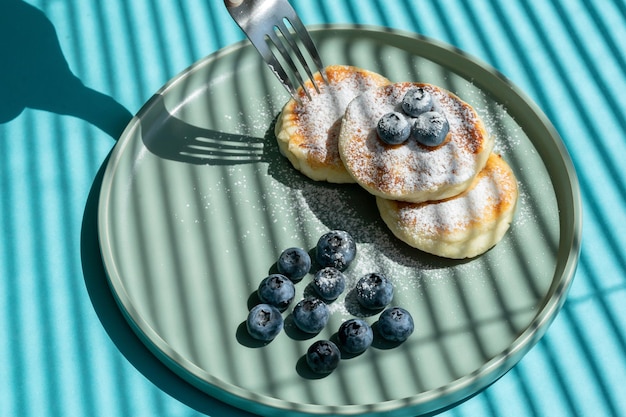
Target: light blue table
[72, 73]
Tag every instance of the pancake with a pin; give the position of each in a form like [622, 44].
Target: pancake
[411, 171]
[464, 226]
[307, 132]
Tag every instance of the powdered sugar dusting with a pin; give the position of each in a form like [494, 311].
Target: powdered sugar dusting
[411, 171]
[451, 215]
[318, 118]
[492, 189]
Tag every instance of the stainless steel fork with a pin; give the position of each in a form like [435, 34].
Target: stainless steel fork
[265, 23]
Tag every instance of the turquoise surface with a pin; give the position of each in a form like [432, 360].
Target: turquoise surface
[72, 74]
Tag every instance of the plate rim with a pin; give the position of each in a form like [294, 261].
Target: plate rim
[456, 391]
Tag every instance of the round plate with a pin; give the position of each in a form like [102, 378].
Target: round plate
[197, 203]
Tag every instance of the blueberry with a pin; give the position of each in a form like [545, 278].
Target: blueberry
[335, 248]
[294, 263]
[374, 291]
[264, 322]
[311, 315]
[417, 101]
[395, 324]
[277, 290]
[393, 128]
[329, 283]
[430, 128]
[323, 356]
[355, 335]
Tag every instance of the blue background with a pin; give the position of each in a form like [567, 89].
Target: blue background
[72, 74]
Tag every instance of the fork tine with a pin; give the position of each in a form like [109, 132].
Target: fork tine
[279, 71]
[285, 54]
[296, 49]
[273, 63]
[304, 36]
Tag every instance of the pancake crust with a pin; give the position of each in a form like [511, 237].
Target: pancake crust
[411, 171]
[307, 132]
[464, 226]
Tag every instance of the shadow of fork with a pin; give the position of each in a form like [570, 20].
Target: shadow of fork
[169, 137]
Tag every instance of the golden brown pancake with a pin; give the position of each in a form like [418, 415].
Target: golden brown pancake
[459, 227]
[307, 132]
[411, 171]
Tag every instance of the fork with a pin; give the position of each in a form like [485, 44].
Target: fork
[264, 23]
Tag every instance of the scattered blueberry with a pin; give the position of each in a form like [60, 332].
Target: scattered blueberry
[355, 335]
[374, 291]
[417, 101]
[430, 128]
[329, 283]
[311, 315]
[277, 290]
[264, 322]
[334, 252]
[395, 324]
[393, 128]
[294, 263]
[323, 356]
[335, 248]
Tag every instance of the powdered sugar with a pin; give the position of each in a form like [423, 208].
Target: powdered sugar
[318, 118]
[411, 171]
[459, 213]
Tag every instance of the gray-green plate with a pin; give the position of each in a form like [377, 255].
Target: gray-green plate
[197, 203]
